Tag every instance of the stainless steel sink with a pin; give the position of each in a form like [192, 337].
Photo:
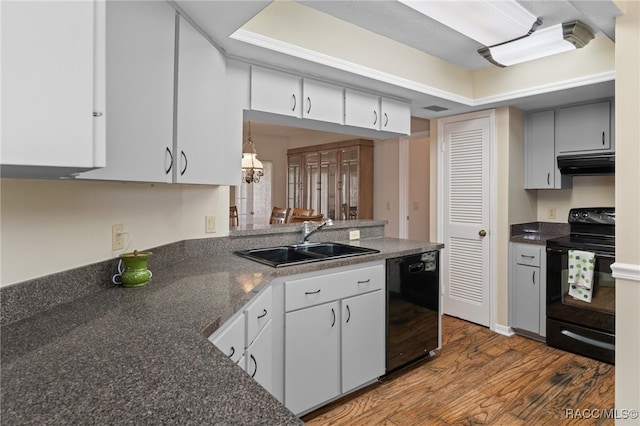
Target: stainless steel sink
[303, 253]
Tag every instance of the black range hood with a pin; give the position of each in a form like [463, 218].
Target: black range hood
[587, 164]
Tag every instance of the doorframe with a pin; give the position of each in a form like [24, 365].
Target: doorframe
[404, 181]
[493, 199]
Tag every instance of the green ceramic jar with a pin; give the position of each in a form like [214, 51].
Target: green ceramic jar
[135, 273]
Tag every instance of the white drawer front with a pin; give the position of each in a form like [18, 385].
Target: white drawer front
[230, 339]
[528, 255]
[258, 313]
[312, 291]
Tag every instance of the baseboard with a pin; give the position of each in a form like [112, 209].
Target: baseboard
[504, 330]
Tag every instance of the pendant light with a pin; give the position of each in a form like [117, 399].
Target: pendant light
[252, 168]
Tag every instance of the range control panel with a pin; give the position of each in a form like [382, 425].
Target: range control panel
[593, 215]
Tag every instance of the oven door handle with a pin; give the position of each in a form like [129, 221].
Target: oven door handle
[597, 254]
[588, 340]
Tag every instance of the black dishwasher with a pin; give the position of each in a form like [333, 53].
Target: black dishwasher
[413, 308]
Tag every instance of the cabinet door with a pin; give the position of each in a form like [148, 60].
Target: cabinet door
[584, 128]
[276, 92]
[363, 339]
[540, 157]
[230, 340]
[140, 71]
[396, 116]
[259, 358]
[361, 109]
[258, 314]
[312, 365]
[526, 311]
[200, 154]
[323, 101]
[48, 87]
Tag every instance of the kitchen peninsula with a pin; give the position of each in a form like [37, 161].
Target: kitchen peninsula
[141, 355]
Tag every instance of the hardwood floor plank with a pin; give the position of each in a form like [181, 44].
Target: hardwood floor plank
[481, 377]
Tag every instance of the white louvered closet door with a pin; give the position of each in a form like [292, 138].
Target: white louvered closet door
[466, 265]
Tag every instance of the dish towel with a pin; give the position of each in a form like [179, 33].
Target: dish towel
[581, 265]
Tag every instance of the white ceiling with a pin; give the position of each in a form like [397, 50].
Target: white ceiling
[394, 20]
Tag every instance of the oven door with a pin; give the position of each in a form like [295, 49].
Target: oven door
[599, 314]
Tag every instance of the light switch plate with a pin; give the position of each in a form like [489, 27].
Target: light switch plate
[354, 235]
[117, 237]
[210, 224]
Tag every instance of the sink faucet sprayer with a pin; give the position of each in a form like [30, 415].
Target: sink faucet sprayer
[307, 231]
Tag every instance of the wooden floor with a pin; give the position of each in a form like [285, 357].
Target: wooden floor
[481, 377]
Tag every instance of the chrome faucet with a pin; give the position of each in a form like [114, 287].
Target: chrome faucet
[307, 230]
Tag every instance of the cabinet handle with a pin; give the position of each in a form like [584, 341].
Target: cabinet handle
[309, 102]
[548, 178]
[171, 163]
[185, 162]
[365, 281]
[233, 351]
[255, 363]
[602, 138]
[348, 313]
[333, 312]
[293, 98]
[386, 119]
[533, 277]
[312, 292]
[97, 114]
[527, 256]
[375, 117]
[264, 314]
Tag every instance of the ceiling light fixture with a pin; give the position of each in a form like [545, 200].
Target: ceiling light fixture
[251, 167]
[489, 22]
[546, 42]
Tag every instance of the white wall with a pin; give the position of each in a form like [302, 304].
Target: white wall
[385, 184]
[587, 191]
[48, 226]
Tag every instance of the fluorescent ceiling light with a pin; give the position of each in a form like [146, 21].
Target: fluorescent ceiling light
[486, 21]
[546, 42]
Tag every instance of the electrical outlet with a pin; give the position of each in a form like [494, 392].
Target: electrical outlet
[354, 235]
[117, 237]
[210, 224]
[551, 213]
[388, 205]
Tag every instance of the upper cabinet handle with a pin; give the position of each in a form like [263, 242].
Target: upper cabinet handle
[375, 117]
[97, 114]
[334, 317]
[293, 98]
[602, 138]
[171, 163]
[309, 103]
[185, 163]
[549, 178]
[386, 119]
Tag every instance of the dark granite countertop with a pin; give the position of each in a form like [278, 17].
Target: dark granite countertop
[537, 232]
[141, 355]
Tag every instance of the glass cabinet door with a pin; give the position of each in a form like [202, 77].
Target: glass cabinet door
[327, 193]
[311, 182]
[348, 183]
[294, 181]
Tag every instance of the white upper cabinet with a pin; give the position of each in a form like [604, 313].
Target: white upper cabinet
[396, 116]
[322, 101]
[52, 88]
[276, 92]
[584, 128]
[200, 143]
[541, 170]
[362, 109]
[140, 72]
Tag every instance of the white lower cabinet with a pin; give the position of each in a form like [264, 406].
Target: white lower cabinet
[312, 362]
[527, 289]
[259, 358]
[231, 341]
[333, 347]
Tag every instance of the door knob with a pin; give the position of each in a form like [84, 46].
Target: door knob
[482, 233]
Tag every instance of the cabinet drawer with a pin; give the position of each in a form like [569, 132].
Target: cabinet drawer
[230, 338]
[527, 255]
[312, 291]
[258, 313]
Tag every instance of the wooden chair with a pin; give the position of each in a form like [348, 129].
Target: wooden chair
[299, 212]
[279, 215]
[300, 219]
[233, 216]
